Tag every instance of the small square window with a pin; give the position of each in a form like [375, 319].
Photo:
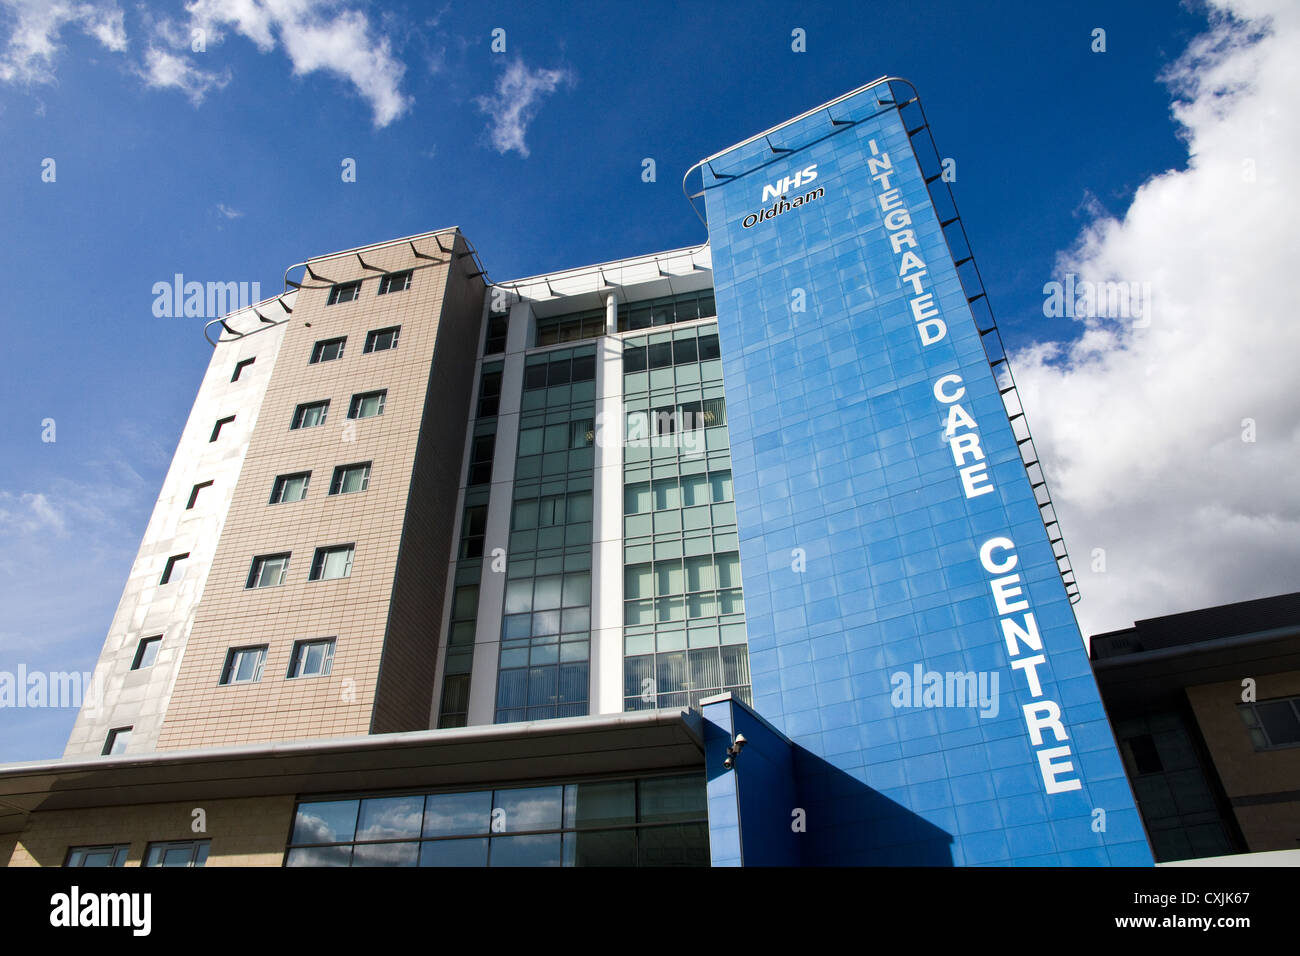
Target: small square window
[312, 658]
[117, 741]
[194, 494]
[310, 414]
[290, 487]
[146, 652]
[332, 563]
[216, 429]
[114, 855]
[268, 571]
[395, 282]
[244, 665]
[327, 350]
[345, 292]
[240, 366]
[175, 568]
[177, 853]
[367, 404]
[495, 341]
[350, 478]
[381, 340]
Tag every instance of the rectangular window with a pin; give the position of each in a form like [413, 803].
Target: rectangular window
[310, 414]
[381, 340]
[1273, 723]
[367, 404]
[480, 459]
[244, 665]
[116, 741]
[327, 350]
[290, 487]
[194, 494]
[395, 282]
[216, 429]
[709, 347]
[146, 652]
[489, 393]
[345, 292]
[177, 853]
[114, 855]
[312, 658]
[495, 342]
[175, 568]
[268, 570]
[240, 366]
[332, 563]
[473, 531]
[350, 478]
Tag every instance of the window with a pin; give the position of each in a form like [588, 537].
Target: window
[332, 563]
[473, 531]
[194, 494]
[312, 658]
[175, 569]
[310, 414]
[97, 855]
[489, 393]
[1145, 756]
[495, 342]
[177, 853]
[345, 292]
[268, 570]
[290, 487]
[350, 478]
[244, 665]
[559, 371]
[571, 328]
[216, 429]
[146, 652]
[1273, 723]
[684, 307]
[239, 368]
[480, 459]
[327, 350]
[395, 282]
[381, 340]
[652, 821]
[117, 740]
[367, 404]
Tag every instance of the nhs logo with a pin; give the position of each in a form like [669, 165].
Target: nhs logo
[783, 186]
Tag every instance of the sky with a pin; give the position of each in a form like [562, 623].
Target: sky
[211, 138]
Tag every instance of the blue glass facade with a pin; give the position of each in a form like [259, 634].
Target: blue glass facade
[908, 627]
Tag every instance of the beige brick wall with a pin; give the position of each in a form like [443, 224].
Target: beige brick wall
[354, 610]
[249, 832]
[1246, 772]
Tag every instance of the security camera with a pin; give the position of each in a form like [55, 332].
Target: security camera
[727, 763]
[740, 742]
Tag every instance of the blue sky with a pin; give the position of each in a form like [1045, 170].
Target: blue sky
[225, 165]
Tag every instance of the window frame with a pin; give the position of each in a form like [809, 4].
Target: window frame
[216, 429]
[170, 568]
[300, 412]
[386, 281]
[336, 481]
[372, 338]
[339, 289]
[318, 356]
[354, 406]
[240, 366]
[194, 494]
[113, 736]
[137, 661]
[299, 654]
[278, 486]
[234, 655]
[256, 568]
[320, 560]
[199, 850]
[120, 852]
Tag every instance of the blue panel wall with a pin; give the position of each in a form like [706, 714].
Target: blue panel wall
[869, 603]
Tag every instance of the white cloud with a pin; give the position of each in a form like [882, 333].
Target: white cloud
[36, 26]
[316, 35]
[227, 212]
[28, 513]
[518, 96]
[164, 70]
[1141, 429]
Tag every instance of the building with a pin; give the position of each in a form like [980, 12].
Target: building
[737, 553]
[1206, 707]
